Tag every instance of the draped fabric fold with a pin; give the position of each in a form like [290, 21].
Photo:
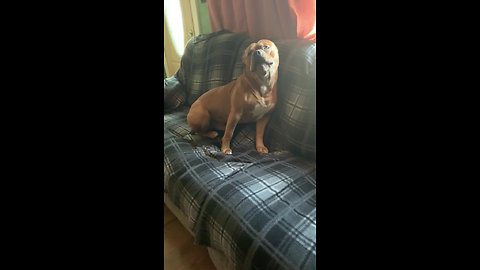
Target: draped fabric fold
[272, 19]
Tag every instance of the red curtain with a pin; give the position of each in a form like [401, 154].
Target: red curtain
[272, 19]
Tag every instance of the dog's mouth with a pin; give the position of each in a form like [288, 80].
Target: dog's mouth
[263, 68]
[260, 65]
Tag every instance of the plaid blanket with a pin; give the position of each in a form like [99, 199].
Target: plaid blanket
[259, 211]
[293, 123]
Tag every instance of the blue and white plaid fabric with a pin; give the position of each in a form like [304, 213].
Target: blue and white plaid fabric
[293, 123]
[259, 211]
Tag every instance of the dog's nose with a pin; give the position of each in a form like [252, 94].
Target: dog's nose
[258, 52]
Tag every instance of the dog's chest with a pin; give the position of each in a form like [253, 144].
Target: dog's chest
[261, 108]
[257, 110]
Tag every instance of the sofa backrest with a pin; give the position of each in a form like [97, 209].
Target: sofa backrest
[293, 123]
[210, 61]
[215, 59]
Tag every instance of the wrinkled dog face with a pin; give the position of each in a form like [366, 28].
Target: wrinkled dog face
[261, 59]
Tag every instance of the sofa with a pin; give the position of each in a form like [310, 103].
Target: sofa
[251, 210]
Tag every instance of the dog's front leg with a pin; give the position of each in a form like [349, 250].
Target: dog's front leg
[232, 121]
[260, 130]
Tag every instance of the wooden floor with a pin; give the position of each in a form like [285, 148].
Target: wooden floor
[179, 251]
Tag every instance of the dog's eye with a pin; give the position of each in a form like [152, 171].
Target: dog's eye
[266, 47]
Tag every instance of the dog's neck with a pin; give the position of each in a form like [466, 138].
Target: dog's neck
[262, 91]
[261, 87]
[258, 90]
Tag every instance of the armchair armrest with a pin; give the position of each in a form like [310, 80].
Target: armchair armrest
[174, 94]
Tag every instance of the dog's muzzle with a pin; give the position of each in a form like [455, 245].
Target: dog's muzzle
[258, 62]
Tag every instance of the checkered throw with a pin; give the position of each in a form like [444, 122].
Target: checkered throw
[258, 210]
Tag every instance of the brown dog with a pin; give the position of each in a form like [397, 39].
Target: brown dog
[248, 99]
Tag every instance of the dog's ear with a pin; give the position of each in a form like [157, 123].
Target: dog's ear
[246, 58]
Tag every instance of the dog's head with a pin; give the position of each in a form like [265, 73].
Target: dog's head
[261, 60]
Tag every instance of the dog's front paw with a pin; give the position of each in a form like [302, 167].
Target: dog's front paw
[262, 149]
[227, 151]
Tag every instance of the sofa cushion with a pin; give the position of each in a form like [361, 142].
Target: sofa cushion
[258, 210]
[243, 138]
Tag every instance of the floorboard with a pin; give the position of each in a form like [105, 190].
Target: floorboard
[179, 251]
